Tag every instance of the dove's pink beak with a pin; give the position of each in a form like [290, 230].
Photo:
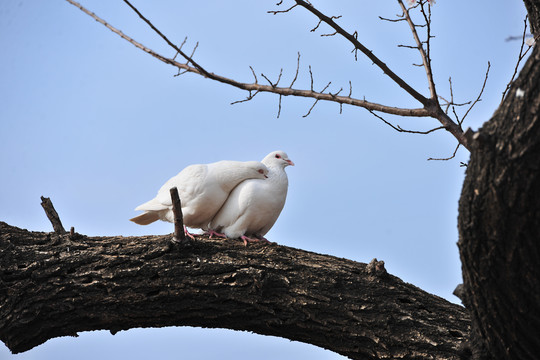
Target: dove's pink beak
[290, 162]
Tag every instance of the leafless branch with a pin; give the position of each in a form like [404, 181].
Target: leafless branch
[479, 95]
[408, 47]
[275, 12]
[400, 129]
[278, 80]
[181, 45]
[451, 91]
[332, 34]
[520, 57]
[249, 97]
[193, 52]
[316, 26]
[316, 101]
[297, 70]
[448, 158]
[254, 75]
[355, 35]
[451, 103]
[392, 20]
[311, 76]
[197, 66]
[512, 38]
[456, 115]
[187, 62]
[430, 108]
[425, 55]
[328, 20]
[336, 94]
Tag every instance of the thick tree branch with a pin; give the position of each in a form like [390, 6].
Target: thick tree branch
[499, 223]
[116, 283]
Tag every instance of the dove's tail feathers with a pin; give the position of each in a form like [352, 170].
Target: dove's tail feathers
[152, 205]
[146, 218]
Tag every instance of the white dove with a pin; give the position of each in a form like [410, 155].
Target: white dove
[254, 205]
[203, 188]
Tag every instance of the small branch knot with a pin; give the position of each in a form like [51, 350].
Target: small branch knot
[459, 292]
[376, 267]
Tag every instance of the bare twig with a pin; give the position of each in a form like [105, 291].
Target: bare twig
[297, 69]
[331, 34]
[448, 158]
[51, 213]
[179, 234]
[512, 38]
[400, 129]
[275, 12]
[392, 20]
[520, 57]
[451, 103]
[181, 45]
[270, 82]
[254, 75]
[311, 77]
[197, 66]
[317, 26]
[408, 47]
[425, 55]
[316, 101]
[479, 95]
[267, 79]
[250, 96]
[451, 91]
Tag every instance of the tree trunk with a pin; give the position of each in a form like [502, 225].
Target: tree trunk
[499, 221]
[56, 285]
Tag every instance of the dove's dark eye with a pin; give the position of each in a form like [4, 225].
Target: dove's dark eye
[278, 156]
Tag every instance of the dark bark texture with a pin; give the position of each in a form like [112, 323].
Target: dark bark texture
[55, 285]
[499, 222]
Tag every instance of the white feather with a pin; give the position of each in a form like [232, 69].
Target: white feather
[254, 205]
[203, 188]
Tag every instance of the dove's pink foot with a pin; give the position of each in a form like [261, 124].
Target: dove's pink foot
[188, 233]
[211, 233]
[248, 239]
[262, 238]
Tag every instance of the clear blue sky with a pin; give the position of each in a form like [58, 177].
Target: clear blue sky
[97, 125]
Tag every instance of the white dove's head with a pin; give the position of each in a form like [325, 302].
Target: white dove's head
[257, 169]
[278, 157]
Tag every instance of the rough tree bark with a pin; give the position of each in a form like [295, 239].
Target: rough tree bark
[56, 285]
[499, 221]
[53, 285]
